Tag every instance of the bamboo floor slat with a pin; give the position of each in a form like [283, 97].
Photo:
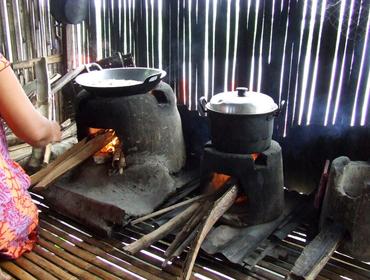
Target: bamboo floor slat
[66, 250]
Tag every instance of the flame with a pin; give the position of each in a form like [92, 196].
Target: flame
[111, 146]
[255, 156]
[219, 179]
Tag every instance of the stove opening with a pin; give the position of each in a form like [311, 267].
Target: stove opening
[219, 179]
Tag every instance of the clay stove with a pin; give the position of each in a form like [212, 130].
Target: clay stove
[150, 134]
[260, 177]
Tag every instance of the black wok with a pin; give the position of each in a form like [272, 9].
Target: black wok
[99, 82]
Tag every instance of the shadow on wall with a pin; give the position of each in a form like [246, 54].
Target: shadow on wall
[306, 148]
[196, 132]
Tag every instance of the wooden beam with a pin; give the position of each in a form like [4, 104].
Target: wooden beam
[30, 63]
[315, 256]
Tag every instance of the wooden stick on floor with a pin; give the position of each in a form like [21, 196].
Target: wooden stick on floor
[315, 256]
[169, 208]
[219, 208]
[162, 231]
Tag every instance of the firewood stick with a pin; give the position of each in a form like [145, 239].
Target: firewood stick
[193, 222]
[162, 231]
[90, 148]
[219, 208]
[169, 208]
[121, 163]
[35, 178]
[182, 246]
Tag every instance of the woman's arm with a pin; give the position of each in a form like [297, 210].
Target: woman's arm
[20, 115]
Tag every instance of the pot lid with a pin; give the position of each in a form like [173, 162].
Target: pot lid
[242, 102]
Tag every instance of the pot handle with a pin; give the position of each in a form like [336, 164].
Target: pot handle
[87, 66]
[278, 110]
[152, 78]
[202, 110]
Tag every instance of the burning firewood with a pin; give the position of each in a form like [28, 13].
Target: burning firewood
[219, 208]
[162, 231]
[77, 154]
[195, 223]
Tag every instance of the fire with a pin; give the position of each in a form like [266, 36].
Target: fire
[255, 156]
[219, 179]
[111, 146]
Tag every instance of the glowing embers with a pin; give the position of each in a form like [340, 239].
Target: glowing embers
[219, 180]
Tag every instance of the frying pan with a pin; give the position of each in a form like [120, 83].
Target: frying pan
[98, 82]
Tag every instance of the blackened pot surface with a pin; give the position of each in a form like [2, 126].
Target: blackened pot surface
[97, 82]
[241, 134]
[145, 123]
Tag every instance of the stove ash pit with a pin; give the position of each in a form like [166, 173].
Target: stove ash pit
[151, 140]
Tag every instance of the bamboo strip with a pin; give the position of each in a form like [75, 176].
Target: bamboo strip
[96, 251]
[75, 270]
[4, 275]
[34, 269]
[87, 150]
[59, 251]
[16, 271]
[48, 266]
[112, 247]
[35, 178]
[87, 256]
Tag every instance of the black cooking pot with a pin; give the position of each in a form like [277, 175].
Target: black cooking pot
[241, 122]
[69, 11]
[120, 81]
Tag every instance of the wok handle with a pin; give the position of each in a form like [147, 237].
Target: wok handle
[278, 110]
[87, 66]
[152, 78]
[202, 110]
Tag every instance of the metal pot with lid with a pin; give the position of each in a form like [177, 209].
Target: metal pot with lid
[241, 121]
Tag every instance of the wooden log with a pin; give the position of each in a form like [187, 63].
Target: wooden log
[66, 79]
[315, 256]
[162, 231]
[90, 148]
[43, 91]
[188, 228]
[35, 178]
[20, 152]
[170, 208]
[219, 208]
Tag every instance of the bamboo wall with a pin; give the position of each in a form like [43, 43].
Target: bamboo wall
[313, 54]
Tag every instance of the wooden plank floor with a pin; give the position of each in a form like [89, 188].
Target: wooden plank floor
[65, 250]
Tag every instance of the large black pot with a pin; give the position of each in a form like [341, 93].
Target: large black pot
[242, 134]
[241, 122]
